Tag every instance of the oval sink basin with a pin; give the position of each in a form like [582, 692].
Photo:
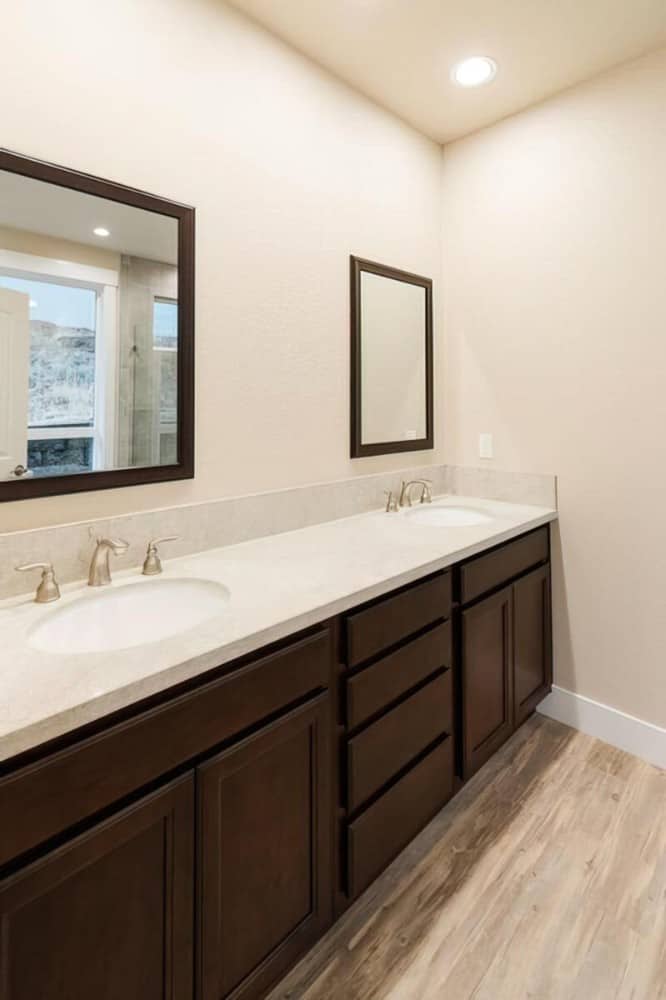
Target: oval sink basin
[448, 517]
[126, 616]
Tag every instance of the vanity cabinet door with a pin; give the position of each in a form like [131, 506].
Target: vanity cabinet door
[487, 678]
[108, 915]
[264, 871]
[533, 660]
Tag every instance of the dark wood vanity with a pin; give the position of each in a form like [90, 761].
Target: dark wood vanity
[198, 844]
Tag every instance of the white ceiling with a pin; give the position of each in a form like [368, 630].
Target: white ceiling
[71, 215]
[400, 52]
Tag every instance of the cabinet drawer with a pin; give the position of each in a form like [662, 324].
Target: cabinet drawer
[397, 617]
[379, 752]
[385, 681]
[42, 799]
[374, 839]
[486, 572]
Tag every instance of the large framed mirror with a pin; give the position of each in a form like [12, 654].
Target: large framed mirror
[96, 333]
[391, 360]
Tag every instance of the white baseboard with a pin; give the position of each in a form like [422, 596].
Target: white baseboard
[643, 739]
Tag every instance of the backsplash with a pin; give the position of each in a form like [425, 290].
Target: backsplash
[493, 484]
[237, 519]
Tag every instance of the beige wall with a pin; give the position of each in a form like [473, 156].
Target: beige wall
[290, 172]
[555, 319]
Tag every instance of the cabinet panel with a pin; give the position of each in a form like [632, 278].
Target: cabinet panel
[487, 678]
[264, 854]
[533, 663]
[108, 915]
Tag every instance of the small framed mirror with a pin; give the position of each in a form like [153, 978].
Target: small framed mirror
[391, 360]
[96, 333]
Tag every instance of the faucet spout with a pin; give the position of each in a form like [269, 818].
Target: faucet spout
[100, 571]
[405, 491]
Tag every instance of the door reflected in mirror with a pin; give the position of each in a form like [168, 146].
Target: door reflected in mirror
[391, 337]
[91, 335]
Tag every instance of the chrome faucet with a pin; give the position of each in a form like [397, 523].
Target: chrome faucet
[100, 572]
[405, 491]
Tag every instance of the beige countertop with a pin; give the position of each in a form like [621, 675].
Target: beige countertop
[278, 585]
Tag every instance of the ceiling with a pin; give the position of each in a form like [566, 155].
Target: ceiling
[44, 208]
[400, 52]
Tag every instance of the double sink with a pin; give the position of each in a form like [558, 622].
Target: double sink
[141, 612]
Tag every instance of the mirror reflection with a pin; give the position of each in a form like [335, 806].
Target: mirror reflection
[393, 360]
[88, 332]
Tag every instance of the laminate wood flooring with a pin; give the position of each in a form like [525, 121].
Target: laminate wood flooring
[544, 879]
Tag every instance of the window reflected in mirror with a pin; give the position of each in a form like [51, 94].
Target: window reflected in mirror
[62, 420]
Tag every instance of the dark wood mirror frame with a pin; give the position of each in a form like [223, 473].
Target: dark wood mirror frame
[358, 449]
[22, 489]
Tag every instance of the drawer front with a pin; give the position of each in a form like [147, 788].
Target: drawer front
[379, 752]
[388, 679]
[45, 798]
[484, 573]
[374, 839]
[397, 617]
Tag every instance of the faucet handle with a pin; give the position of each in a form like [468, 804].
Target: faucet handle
[391, 502]
[152, 565]
[48, 589]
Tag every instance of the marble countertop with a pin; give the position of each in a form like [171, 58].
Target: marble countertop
[278, 585]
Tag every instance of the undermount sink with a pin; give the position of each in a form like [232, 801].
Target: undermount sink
[132, 615]
[448, 516]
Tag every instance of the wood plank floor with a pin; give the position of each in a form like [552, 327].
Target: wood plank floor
[545, 878]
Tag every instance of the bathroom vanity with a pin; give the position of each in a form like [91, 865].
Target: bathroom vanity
[198, 841]
[199, 772]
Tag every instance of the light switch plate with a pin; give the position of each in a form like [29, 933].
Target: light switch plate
[485, 446]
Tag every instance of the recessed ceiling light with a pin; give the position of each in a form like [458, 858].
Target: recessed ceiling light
[101, 231]
[33, 304]
[474, 71]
